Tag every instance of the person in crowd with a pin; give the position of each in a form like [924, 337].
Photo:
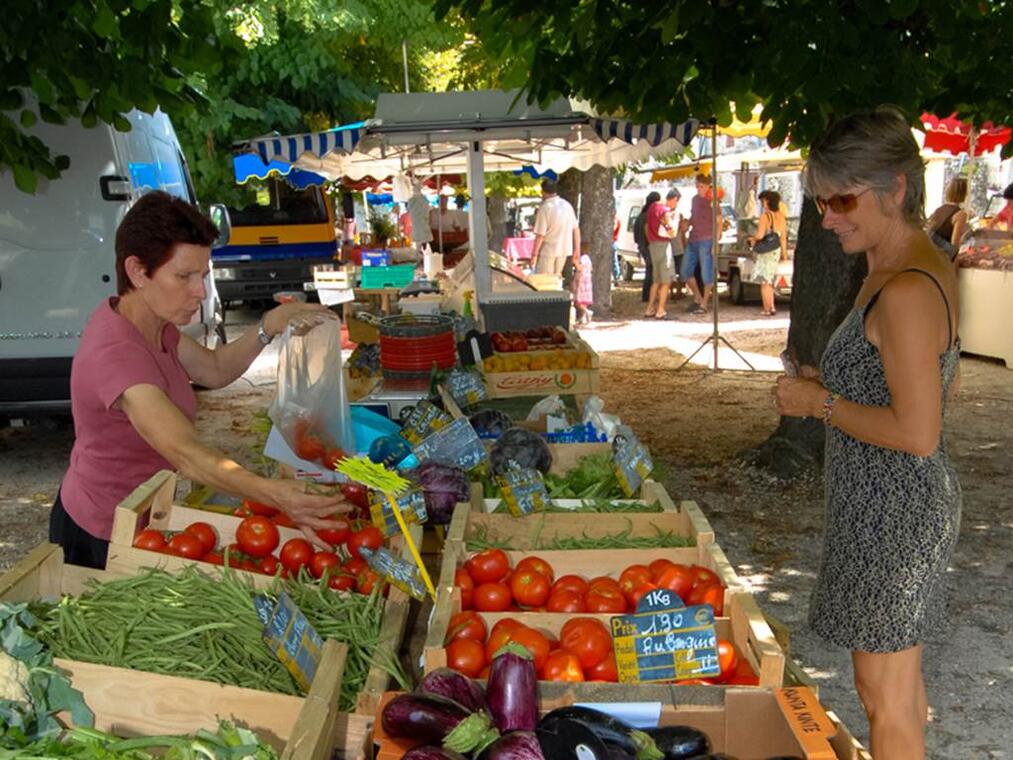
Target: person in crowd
[583, 285]
[132, 377]
[772, 219]
[677, 241]
[557, 236]
[948, 223]
[1005, 215]
[659, 232]
[893, 500]
[699, 246]
[640, 238]
[617, 265]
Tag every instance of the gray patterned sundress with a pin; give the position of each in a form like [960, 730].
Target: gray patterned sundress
[892, 518]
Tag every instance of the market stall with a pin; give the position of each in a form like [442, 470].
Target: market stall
[985, 279]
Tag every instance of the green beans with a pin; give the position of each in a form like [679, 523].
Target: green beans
[621, 540]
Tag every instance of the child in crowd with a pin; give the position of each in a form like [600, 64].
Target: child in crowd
[583, 287]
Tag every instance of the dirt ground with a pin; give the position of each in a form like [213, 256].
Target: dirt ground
[696, 422]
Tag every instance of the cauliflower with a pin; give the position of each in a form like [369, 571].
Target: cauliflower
[13, 679]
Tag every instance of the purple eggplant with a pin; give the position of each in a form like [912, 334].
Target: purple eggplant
[680, 742]
[448, 683]
[434, 719]
[512, 690]
[432, 753]
[572, 740]
[517, 745]
[617, 734]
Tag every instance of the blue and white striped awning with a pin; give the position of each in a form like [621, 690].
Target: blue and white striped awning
[289, 148]
[654, 134]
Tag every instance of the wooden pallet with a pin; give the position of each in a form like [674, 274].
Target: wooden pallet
[134, 703]
[151, 505]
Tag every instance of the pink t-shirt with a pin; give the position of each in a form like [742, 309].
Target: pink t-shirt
[109, 458]
[701, 220]
[655, 221]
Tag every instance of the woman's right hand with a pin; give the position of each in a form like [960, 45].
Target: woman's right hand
[309, 511]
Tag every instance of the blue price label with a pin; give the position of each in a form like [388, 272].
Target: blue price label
[523, 491]
[291, 637]
[457, 445]
[631, 461]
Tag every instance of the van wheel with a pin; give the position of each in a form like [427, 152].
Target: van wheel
[627, 271]
[736, 290]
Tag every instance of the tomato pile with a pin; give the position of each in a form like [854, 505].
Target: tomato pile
[355, 494]
[488, 584]
[536, 337]
[256, 540]
[582, 651]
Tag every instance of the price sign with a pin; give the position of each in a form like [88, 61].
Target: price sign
[424, 419]
[466, 388]
[397, 571]
[291, 637]
[523, 491]
[413, 510]
[665, 640]
[631, 461]
[457, 445]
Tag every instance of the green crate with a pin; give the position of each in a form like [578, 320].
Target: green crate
[387, 277]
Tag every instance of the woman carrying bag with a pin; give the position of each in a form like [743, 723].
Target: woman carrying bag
[770, 245]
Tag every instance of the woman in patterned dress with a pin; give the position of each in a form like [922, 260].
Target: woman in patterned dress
[765, 268]
[892, 496]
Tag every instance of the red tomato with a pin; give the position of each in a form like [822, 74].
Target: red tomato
[256, 508]
[214, 558]
[537, 564]
[562, 666]
[321, 562]
[743, 675]
[728, 659]
[152, 540]
[355, 566]
[570, 583]
[367, 581]
[356, 494]
[605, 599]
[308, 445]
[466, 625]
[186, 545]
[696, 682]
[658, 566]
[605, 670]
[268, 565]
[637, 594]
[702, 576]
[535, 642]
[204, 533]
[491, 597]
[633, 577]
[488, 566]
[466, 583]
[338, 534]
[500, 636]
[296, 554]
[369, 537]
[257, 536]
[712, 594]
[283, 521]
[466, 656]
[565, 600]
[586, 638]
[342, 581]
[332, 457]
[603, 581]
[676, 579]
[529, 588]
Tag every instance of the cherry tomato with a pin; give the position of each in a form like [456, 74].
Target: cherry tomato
[606, 670]
[728, 659]
[570, 583]
[268, 565]
[204, 533]
[466, 625]
[367, 581]
[369, 537]
[491, 597]
[488, 566]
[321, 562]
[586, 638]
[342, 581]
[332, 457]
[256, 508]
[296, 554]
[605, 599]
[676, 579]
[186, 545]
[529, 588]
[711, 594]
[535, 642]
[565, 600]
[464, 581]
[702, 576]
[537, 564]
[466, 656]
[152, 540]
[658, 566]
[633, 577]
[500, 636]
[337, 535]
[257, 536]
[562, 666]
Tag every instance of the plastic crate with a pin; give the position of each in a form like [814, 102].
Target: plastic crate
[520, 311]
[375, 258]
[387, 277]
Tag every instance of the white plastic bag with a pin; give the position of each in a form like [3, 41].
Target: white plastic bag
[594, 413]
[550, 405]
[311, 409]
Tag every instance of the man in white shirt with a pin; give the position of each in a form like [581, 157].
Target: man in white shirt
[556, 232]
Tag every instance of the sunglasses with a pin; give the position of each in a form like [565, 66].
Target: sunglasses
[840, 204]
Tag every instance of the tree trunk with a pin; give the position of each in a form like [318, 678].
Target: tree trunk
[570, 183]
[597, 212]
[496, 211]
[824, 286]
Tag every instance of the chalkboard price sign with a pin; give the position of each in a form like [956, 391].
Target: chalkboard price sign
[665, 641]
[457, 445]
[423, 420]
[523, 491]
[631, 461]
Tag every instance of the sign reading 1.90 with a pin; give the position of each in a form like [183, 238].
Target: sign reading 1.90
[665, 641]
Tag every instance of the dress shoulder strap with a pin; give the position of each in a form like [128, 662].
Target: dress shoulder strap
[942, 292]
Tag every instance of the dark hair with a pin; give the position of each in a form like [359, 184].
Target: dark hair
[550, 186]
[156, 224]
[703, 179]
[773, 199]
[673, 193]
[652, 197]
[1008, 192]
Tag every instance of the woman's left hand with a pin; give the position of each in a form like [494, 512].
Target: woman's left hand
[304, 316]
[798, 397]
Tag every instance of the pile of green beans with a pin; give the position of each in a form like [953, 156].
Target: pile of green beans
[198, 626]
[662, 539]
[593, 506]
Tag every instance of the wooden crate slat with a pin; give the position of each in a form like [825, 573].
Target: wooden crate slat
[313, 735]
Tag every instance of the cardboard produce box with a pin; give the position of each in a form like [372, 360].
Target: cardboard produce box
[537, 373]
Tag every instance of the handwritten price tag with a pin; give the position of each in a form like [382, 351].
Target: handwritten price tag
[457, 444]
[423, 420]
[291, 637]
[466, 388]
[631, 461]
[523, 491]
[413, 510]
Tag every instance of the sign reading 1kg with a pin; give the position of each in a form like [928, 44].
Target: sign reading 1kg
[665, 641]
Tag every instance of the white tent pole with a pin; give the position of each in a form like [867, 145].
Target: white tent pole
[477, 220]
[716, 240]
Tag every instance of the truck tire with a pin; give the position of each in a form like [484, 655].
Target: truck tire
[628, 271]
[736, 289]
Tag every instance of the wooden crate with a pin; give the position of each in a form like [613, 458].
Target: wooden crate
[132, 703]
[151, 505]
[685, 519]
[547, 382]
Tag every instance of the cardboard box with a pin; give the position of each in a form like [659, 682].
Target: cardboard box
[547, 382]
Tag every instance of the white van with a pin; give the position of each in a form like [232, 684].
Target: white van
[57, 257]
